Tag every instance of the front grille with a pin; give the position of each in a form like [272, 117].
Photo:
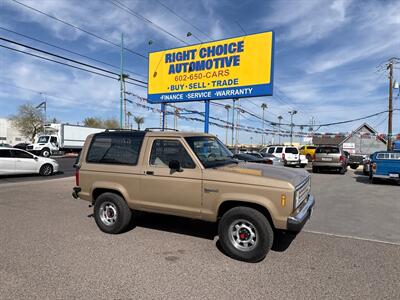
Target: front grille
[302, 191]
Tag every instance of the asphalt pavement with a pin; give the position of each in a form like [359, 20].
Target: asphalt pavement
[51, 248]
[65, 170]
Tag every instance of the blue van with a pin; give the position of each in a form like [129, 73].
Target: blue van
[385, 165]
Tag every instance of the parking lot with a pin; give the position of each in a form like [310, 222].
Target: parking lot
[51, 248]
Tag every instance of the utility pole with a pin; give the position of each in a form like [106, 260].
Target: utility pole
[176, 113]
[292, 112]
[122, 92]
[279, 128]
[264, 107]
[227, 107]
[389, 137]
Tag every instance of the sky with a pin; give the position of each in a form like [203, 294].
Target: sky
[329, 59]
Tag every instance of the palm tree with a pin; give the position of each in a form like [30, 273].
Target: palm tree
[138, 120]
[129, 115]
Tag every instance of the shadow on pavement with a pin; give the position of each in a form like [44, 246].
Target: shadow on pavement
[196, 228]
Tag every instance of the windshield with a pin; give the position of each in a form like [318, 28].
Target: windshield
[210, 151]
[43, 139]
[244, 156]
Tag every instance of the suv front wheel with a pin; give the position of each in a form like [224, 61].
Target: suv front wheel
[111, 213]
[245, 234]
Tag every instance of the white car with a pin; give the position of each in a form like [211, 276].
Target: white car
[288, 154]
[16, 161]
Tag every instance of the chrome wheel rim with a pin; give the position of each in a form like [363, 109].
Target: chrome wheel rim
[46, 153]
[46, 170]
[243, 235]
[108, 213]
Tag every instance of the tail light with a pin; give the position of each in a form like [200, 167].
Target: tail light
[283, 156]
[341, 159]
[268, 162]
[314, 157]
[77, 177]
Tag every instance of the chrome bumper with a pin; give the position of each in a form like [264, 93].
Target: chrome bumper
[297, 220]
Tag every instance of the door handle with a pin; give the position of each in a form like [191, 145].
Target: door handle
[149, 172]
[206, 190]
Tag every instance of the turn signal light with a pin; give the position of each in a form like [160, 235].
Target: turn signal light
[283, 200]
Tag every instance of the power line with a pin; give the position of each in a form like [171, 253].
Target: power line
[184, 19]
[141, 17]
[68, 59]
[70, 51]
[65, 64]
[80, 29]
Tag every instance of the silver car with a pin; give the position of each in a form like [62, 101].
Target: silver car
[329, 157]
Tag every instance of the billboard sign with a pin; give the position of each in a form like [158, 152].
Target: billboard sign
[231, 68]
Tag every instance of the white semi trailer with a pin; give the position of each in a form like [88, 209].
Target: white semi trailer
[61, 137]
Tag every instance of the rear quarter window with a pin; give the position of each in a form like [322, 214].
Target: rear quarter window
[115, 149]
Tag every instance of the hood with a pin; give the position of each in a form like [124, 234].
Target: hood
[293, 176]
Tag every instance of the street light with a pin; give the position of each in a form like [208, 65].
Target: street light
[227, 107]
[264, 107]
[279, 128]
[292, 112]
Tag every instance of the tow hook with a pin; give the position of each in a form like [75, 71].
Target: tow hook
[75, 192]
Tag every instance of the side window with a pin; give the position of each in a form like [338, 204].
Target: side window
[21, 154]
[279, 150]
[379, 156]
[271, 150]
[5, 153]
[163, 151]
[120, 149]
[53, 139]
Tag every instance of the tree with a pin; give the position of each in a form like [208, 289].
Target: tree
[28, 121]
[110, 123]
[93, 122]
[138, 120]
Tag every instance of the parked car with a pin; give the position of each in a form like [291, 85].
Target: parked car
[276, 161]
[385, 165]
[252, 158]
[16, 161]
[355, 160]
[191, 175]
[367, 165]
[21, 146]
[288, 154]
[308, 151]
[5, 145]
[329, 157]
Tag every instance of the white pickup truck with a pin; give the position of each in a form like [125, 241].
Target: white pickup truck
[61, 137]
[288, 154]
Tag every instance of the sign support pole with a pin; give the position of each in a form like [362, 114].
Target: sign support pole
[206, 116]
[163, 116]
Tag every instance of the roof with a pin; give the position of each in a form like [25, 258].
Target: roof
[327, 140]
[369, 127]
[153, 133]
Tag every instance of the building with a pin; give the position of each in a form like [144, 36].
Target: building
[363, 140]
[9, 134]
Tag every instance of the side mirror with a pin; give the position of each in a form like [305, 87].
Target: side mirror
[35, 158]
[175, 165]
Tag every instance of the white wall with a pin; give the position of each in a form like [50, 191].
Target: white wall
[9, 134]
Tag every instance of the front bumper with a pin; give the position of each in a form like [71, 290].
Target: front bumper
[297, 220]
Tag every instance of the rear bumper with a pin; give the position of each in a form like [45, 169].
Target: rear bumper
[328, 164]
[300, 217]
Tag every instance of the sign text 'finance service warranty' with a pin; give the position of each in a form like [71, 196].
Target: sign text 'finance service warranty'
[233, 68]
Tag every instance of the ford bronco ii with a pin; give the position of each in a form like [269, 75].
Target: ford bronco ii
[191, 175]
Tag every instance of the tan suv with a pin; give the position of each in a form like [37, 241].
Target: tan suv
[191, 175]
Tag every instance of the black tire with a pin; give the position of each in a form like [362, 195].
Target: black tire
[45, 152]
[342, 171]
[308, 156]
[354, 166]
[110, 206]
[264, 235]
[46, 170]
[315, 169]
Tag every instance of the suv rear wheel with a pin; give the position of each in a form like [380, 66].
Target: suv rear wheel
[245, 234]
[111, 213]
